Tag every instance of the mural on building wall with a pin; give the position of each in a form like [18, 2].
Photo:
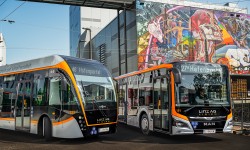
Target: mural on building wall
[169, 33]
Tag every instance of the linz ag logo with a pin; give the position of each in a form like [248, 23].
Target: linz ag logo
[103, 120]
[206, 112]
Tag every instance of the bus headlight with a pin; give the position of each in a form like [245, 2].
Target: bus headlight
[181, 126]
[179, 123]
[228, 126]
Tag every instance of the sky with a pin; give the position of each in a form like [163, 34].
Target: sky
[39, 30]
[42, 29]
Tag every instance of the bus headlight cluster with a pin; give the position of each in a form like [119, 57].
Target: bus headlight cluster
[81, 122]
[179, 123]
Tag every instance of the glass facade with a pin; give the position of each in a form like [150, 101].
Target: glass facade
[109, 37]
[75, 29]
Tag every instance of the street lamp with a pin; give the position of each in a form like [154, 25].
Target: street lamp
[90, 45]
[79, 47]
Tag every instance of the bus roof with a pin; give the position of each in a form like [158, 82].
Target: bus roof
[168, 65]
[145, 70]
[38, 63]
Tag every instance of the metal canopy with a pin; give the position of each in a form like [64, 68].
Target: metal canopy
[111, 4]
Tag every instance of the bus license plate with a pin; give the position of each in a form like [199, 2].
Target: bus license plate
[209, 131]
[103, 129]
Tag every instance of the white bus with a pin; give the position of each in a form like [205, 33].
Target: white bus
[177, 98]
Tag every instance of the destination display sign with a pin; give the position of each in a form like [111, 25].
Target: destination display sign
[89, 69]
[196, 68]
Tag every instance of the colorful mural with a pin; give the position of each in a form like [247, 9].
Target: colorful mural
[168, 33]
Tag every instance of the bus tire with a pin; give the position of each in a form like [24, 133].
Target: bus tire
[144, 124]
[47, 129]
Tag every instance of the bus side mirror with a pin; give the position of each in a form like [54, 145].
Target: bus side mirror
[177, 75]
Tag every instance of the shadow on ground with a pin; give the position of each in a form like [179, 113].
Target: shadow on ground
[124, 134]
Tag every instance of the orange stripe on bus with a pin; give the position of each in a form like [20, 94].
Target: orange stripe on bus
[174, 113]
[8, 119]
[62, 122]
[103, 124]
[64, 66]
[230, 115]
[34, 121]
[29, 70]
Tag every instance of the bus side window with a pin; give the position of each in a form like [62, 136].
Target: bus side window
[149, 98]
[39, 90]
[8, 96]
[121, 96]
[54, 91]
[70, 101]
[1, 94]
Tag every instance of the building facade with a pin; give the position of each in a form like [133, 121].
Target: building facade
[111, 48]
[86, 22]
[168, 32]
[2, 51]
[163, 31]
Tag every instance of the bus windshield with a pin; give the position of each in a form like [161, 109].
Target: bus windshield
[94, 83]
[95, 88]
[203, 84]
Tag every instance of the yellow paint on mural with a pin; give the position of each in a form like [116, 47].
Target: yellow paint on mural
[143, 42]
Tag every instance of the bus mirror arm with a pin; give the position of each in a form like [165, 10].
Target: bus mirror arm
[177, 75]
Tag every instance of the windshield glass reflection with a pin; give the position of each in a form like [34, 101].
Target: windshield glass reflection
[95, 88]
[203, 89]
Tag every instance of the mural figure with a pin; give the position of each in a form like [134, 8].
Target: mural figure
[179, 29]
[168, 33]
[205, 31]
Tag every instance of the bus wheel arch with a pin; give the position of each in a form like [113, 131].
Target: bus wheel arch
[144, 123]
[45, 127]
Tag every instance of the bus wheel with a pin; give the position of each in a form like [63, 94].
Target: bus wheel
[144, 124]
[47, 128]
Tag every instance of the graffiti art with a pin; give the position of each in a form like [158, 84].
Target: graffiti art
[168, 33]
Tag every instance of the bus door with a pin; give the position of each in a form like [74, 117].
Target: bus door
[122, 114]
[22, 106]
[161, 103]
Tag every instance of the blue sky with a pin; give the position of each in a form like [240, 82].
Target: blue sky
[42, 29]
[39, 30]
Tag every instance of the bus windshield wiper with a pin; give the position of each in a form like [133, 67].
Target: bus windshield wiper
[97, 105]
[94, 101]
[187, 110]
[225, 108]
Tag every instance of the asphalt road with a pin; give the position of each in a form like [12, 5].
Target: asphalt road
[127, 138]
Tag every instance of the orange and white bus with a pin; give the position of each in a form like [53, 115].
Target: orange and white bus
[58, 96]
[176, 98]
